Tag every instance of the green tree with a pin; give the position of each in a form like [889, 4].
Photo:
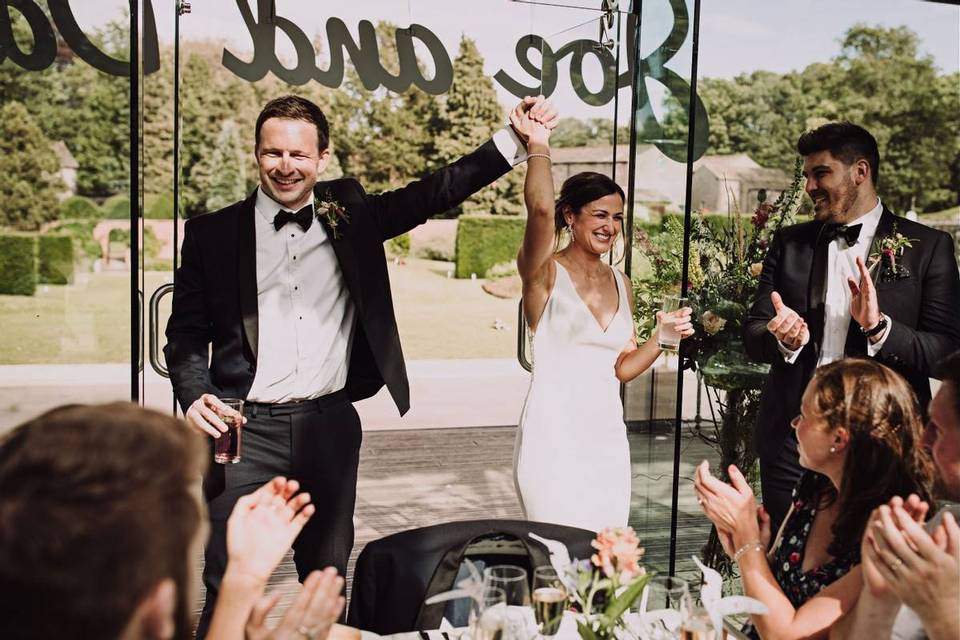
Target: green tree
[29, 182]
[229, 182]
[471, 115]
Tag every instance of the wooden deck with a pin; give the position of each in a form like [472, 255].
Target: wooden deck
[415, 478]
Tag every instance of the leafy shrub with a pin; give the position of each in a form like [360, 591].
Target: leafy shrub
[18, 264]
[486, 240]
[82, 233]
[79, 208]
[55, 259]
[399, 247]
[158, 206]
[151, 244]
[117, 207]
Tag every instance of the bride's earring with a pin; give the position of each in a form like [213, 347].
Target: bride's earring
[570, 231]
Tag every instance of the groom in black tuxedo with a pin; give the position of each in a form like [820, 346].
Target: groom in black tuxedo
[844, 284]
[290, 289]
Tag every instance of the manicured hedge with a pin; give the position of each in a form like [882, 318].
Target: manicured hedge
[158, 206]
[55, 259]
[79, 208]
[82, 233]
[18, 264]
[117, 207]
[399, 247]
[486, 240]
[151, 243]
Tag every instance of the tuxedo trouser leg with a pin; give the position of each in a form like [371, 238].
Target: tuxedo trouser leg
[326, 454]
[779, 474]
[265, 454]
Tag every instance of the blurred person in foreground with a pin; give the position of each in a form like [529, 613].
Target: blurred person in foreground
[101, 526]
[912, 572]
[859, 436]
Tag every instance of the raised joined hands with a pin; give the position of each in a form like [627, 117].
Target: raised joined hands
[533, 120]
[312, 615]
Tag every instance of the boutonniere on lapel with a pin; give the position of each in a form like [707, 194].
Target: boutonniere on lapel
[886, 254]
[327, 209]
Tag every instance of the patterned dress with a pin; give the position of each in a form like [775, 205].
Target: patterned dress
[797, 585]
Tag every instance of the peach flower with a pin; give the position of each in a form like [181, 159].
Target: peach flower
[618, 553]
[755, 269]
[712, 323]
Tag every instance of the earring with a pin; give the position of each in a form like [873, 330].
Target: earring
[833, 449]
[570, 232]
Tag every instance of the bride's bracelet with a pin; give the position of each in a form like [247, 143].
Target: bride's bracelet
[539, 155]
[756, 545]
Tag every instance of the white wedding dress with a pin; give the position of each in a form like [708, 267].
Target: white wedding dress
[571, 460]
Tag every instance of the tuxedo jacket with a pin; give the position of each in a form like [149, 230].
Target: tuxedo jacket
[212, 330]
[924, 308]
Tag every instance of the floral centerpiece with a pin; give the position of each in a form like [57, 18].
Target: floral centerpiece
[604, 587]
[725, 261]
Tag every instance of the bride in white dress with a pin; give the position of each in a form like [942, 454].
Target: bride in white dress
[572, 460]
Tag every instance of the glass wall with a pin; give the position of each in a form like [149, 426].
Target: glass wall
[65, 207]
[408, 87]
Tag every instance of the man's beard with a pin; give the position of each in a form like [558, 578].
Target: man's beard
[838, 208]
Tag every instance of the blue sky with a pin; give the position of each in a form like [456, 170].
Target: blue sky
[736, 36]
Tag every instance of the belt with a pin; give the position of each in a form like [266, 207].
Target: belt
[298, 406]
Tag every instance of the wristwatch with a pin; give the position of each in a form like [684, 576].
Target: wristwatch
[869, 333]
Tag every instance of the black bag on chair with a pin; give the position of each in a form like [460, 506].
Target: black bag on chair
[396, 574]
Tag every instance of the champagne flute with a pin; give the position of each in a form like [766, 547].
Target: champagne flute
[513, 581]
[549, 600]
[488, 615]
[664, 592]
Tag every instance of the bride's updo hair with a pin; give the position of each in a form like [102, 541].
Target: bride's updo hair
[580, 189]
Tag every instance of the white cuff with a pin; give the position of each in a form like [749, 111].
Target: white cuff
[873, 348]
[510, 146]
[789, 356]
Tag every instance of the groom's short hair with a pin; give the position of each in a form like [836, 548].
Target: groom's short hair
[847, 142]
[295, 108]
[98, 505]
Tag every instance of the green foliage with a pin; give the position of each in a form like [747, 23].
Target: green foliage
[229, 183]
[571, 132]
[55, 259]
[79, 208]
[399, 246]
[29, 183]
[158, 206]
[18, 264]
[151, 244]
[484, 241]
[117, 207]
[471, 115]
[880, 80]
[82, 233]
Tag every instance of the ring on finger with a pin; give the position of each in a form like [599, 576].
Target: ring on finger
[308, 632]
[895, 564]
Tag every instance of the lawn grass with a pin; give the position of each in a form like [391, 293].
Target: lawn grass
[947, 215]
[88, 322]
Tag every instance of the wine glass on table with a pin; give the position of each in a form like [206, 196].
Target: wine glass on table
[513, 580]
[550, 600]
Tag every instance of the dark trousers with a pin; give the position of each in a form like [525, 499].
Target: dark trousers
[315, 442]
[779, 474]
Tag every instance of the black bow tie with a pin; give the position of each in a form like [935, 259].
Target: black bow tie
[304, 218]
[833, 231]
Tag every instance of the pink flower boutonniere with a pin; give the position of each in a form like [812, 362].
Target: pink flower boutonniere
[886, 254]
[328, 210]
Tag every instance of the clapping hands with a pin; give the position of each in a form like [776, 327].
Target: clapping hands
[263, 525]
[732, 508]
[787, 326]
[533, 120]
[317, 607]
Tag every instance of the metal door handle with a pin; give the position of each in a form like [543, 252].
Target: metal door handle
[522, 339]
[154, 333]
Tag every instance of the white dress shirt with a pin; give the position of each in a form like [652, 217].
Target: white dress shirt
[305, 314]
[841, 264]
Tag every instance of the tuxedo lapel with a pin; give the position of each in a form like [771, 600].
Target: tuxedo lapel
[247, 270]
[884, 230]
[343, 246]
